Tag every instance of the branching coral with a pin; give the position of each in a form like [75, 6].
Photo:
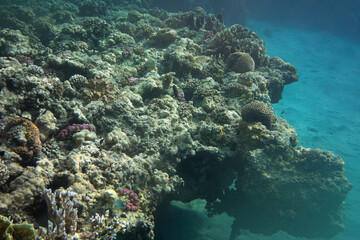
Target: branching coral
[62, 214]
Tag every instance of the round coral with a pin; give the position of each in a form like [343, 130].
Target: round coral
[258, 112]
[240, 62]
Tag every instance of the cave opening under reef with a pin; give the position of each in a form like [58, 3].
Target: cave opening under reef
[177, 221]
[251, 202]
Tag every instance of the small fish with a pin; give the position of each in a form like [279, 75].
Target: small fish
[119, 204]
[151, 74]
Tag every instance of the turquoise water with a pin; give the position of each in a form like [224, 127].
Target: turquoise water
[324, 108]
[324, 105]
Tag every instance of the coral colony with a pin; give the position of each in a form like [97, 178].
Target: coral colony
[69, 130]
[134, 203]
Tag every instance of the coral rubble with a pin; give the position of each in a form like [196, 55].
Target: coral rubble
[182, 110]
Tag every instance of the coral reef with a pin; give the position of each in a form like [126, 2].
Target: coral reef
[182, 110]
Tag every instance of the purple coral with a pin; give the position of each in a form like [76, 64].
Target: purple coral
[69, 130]
[134, 203]
[179, 95]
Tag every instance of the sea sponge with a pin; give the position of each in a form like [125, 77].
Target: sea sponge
[240, 62]
[258, 112]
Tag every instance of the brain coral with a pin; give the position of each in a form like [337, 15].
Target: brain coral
[240, 62]
[258, 112]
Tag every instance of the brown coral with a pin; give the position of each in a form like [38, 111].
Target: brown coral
[24, 138]
[240, 62]
[258, 112]
[98, 88]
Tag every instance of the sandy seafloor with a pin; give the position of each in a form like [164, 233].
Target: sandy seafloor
[324, 108]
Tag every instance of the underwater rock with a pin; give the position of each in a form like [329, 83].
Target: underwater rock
[83, 136]
[118, 40]
[25, 187]
[143, 31]
[92, 8]
[44, 29]
[195, 20]
[293, 195]
[180, 58]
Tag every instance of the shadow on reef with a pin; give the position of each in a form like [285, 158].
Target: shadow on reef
[176, 223]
